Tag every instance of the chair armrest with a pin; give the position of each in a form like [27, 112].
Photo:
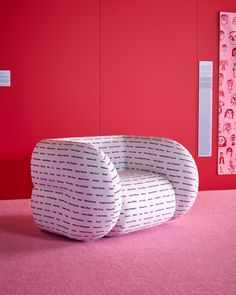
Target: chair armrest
[77, 189]
[170, 159]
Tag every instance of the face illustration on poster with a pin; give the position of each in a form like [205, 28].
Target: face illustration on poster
[232, 37]
[233, 138]
[222, 141]
[221, 79]
[227, 94]
[229, 114]
[230, 84]
[234, 52]
[234, 69]
[223, 64]
[233, 99]
[221, 104]
[224, 19]
[224, 47]
[222, 35]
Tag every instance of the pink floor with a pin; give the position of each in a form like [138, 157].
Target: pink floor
[195, 254]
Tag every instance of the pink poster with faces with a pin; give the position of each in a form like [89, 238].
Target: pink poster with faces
[227, 94]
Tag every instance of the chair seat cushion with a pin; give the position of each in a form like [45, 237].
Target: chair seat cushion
[148, 199]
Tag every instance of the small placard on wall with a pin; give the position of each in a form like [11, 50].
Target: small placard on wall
[5, 78]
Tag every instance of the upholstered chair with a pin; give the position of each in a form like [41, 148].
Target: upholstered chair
[89, 187]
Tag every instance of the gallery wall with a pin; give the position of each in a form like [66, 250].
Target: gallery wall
[52, 49]
[207, 49]
[104, 67]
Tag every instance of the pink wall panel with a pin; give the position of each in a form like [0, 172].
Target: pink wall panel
[52, 49]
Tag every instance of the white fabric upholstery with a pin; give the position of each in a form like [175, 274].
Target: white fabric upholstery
[89, 187]
[169, 159]
[77, 191]
[148, 199]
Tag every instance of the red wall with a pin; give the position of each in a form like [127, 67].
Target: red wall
[207, 44]
[104, 67]
[52, 49]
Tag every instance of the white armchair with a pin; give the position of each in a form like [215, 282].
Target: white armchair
[89, 187]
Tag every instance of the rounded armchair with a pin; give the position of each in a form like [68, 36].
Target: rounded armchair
[89, 187]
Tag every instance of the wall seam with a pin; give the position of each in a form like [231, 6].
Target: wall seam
[100, 68]
[197, 82]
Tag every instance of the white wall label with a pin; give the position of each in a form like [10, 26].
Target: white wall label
[205, 109]
[5, 78]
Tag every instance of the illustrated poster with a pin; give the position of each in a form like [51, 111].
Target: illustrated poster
[227, 94]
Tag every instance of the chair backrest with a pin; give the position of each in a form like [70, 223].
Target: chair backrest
[112, 146]
[154, 154]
